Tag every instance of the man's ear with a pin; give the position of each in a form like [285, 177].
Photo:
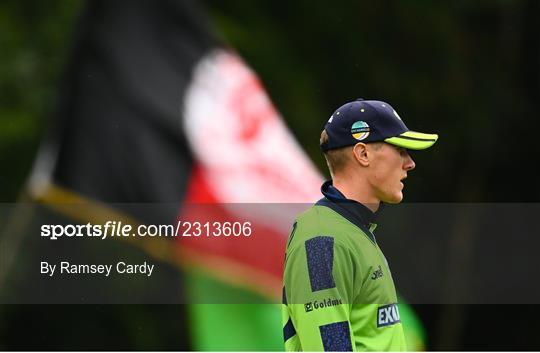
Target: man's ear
[361, 154]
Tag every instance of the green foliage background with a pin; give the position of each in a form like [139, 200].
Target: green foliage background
[34, 41]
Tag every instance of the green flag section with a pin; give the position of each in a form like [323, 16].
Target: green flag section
[415, 334]
[231, 327]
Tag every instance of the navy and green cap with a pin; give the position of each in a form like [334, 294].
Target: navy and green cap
[372, 121]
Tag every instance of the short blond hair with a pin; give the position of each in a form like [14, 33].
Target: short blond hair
[338, 158]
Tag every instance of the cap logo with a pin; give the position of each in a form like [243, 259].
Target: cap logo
[360, 130]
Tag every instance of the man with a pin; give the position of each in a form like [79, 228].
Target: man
[338, 290]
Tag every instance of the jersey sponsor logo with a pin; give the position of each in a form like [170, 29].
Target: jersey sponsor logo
[377, 274]
[388, 315]
[321, 304]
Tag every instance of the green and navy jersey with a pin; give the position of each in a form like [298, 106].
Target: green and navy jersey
[338, 291]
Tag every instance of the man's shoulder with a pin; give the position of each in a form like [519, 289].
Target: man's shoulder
[320, 216]
[322, 221]
[316, 210]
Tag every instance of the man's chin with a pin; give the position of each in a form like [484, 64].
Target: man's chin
[394, 199]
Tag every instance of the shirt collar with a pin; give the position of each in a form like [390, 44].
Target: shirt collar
[353, 210]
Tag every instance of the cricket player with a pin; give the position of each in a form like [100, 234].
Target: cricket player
[338, 291]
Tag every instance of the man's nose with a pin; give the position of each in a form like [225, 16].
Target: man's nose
[409, 163]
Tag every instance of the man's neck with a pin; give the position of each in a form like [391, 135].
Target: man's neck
[357, 192]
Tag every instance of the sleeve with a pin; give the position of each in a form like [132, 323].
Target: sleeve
[319, 290]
